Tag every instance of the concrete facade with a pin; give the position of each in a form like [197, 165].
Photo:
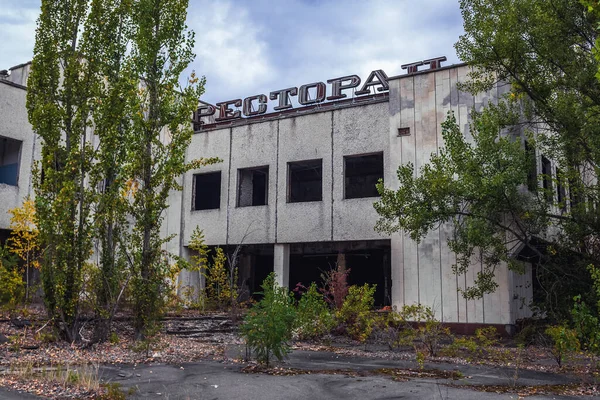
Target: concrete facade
[420, 272]
[335, 227]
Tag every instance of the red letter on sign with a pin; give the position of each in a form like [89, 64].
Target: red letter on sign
[284, 97]
[226, 113]
[382, 80]
[337, 87]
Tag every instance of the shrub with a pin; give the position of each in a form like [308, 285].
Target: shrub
[421, 326]
[12, 288]
[313, 317]
[267, 327]
[563, 342]
[586, 318]
[356, 311]
[336, 286]
[480, 345]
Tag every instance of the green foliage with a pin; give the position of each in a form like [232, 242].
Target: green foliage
[267, 327]
[113, 338]
[59, 103]
[313, 316]
[586, 319]
[547, 56]
[481, 345]
[564, 342]
[473, 185]
[218, 289]
[12, 289]
[355, 313]
[421, 329]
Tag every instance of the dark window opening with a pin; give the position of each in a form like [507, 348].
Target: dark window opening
[560, 189]
[361, 174]
[305, 181]
[575, 188]
[207, 191]
[253, 187]
[547, 178]
[532, 183]
[10, 152]
[403, 131]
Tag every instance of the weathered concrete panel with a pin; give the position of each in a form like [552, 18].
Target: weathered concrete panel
[212, 222]
[359, 130]
[408, 119]
[253, 146]
[305, 138]
[426, 137]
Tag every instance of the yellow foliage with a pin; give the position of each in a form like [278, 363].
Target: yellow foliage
[23, 240]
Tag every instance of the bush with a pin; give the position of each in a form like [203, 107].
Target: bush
[12, 288]
[586, 318]
[420, 325]
[481, 345]
[335, 287]
[563, 342]
[267, 327]
[313, 317]
[355, 313]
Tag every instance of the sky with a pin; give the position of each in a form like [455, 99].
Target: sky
[244, 48]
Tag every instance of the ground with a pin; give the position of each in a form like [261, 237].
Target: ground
[202, 357]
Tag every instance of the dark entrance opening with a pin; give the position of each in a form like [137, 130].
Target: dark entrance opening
[368, 261]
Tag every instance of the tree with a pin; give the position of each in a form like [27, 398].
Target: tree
[23, 240]
[268, 325]
[107, 72]
[545, 50]
[59, 103]
[105, 45]
[161, 48]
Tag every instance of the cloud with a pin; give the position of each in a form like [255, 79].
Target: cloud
[245, 48]
[300, 41]
[17, 31]
[230, 49]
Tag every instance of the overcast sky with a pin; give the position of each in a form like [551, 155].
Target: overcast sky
[251, 47]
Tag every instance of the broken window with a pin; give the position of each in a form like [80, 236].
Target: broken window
[10, 153]
[253, 186]
[305, 181]
[361, 174]
[207, 191]
[547, 178]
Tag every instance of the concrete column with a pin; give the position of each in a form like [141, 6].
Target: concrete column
[281, 264]
[397, 261]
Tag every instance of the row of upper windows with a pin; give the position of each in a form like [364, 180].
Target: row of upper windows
[304, 182]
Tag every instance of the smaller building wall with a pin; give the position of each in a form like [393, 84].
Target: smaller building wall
[14, 124]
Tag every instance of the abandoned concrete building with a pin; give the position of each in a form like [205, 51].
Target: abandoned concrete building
[296, 186]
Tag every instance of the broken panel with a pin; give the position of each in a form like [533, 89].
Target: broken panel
[361, 174]
[305, 181]
[207, 191]
[253, 186]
